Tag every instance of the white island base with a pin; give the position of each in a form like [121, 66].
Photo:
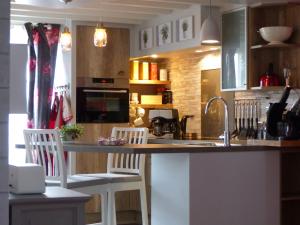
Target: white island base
[216, 188]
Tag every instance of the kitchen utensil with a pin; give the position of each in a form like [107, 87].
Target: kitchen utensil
[243, 133]
[248, 120]
[256, 119]
[240, 118]
[235, 132]
[252, 130]
[275, 111]
[269, 78]
[275, 34]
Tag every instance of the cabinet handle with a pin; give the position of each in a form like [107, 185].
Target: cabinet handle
[106, 91]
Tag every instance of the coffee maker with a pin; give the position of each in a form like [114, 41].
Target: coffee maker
[164, 123]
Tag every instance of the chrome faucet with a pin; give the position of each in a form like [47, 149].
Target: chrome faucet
[226, 131]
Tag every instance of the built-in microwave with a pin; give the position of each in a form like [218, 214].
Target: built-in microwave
[102, 105]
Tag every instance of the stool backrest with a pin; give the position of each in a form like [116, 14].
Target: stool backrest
[128, 163]
[44, 147]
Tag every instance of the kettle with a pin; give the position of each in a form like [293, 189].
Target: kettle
[183, 123]
[269, 78]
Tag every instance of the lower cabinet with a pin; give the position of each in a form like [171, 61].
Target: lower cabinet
[290, 188]
[57, 206]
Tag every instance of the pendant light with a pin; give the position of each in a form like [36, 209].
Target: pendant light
[100, 36]
[209, 33]
[66, 39]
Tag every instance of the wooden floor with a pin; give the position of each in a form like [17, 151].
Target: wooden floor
[124, 218]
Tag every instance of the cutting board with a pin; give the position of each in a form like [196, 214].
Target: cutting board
[275, 143]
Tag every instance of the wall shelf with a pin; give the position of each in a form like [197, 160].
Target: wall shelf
[154, 106]
[290, 197]
[150, 82]
[281, 45]
[269, 88]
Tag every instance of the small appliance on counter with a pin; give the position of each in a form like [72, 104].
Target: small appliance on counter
[164, 123]
[26, 178]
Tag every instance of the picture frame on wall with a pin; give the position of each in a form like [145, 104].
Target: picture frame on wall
[164, 33]
[185, 28]
[146, 38]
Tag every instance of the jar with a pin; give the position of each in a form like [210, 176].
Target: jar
[167, 97]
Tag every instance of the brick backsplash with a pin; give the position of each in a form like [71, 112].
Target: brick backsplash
[185, 73]
[266, 97]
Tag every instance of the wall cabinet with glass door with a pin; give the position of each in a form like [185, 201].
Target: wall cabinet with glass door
[234, 50]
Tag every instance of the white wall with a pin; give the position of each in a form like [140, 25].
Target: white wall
[4, 108]
[198, 12]
[17, 94]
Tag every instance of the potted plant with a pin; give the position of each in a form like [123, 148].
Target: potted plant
[71, 132]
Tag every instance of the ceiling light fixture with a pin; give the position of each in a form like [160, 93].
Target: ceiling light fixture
[65, 1]
[66, 39]
[209, 33]
[100, 36]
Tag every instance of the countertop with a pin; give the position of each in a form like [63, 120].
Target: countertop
[161, 148]
[171, 146]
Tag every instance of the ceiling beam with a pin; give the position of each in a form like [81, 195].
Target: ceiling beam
[62, 19]
[80, 12]
[147, 4]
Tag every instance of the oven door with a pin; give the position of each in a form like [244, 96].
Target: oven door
[95, 105]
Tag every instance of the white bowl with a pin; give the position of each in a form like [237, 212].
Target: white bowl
[276, 35]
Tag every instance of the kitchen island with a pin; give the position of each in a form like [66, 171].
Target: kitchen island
[209, 185]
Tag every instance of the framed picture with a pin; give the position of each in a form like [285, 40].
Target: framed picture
[146, 38]
[185, 27]
[164, 33]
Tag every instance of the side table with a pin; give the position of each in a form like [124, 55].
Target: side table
[57, 206]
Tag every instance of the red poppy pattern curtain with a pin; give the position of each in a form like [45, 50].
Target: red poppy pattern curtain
[42, 45]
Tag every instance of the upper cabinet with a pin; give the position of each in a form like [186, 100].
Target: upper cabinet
[110, 61]
[234, 50]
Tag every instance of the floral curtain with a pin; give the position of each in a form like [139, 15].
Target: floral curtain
[42, 45]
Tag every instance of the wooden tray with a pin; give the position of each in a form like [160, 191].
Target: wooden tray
[275, 143]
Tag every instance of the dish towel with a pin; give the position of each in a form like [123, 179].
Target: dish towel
[67, 111]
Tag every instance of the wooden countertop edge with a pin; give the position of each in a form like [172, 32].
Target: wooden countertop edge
[165, 148]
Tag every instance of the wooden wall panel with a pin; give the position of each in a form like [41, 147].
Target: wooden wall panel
[109, 61]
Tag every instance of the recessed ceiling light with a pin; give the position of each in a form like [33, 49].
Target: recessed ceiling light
[154, 56]
[198, 51]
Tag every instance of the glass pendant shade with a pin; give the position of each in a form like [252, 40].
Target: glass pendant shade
[66, 39]
[100, 37]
